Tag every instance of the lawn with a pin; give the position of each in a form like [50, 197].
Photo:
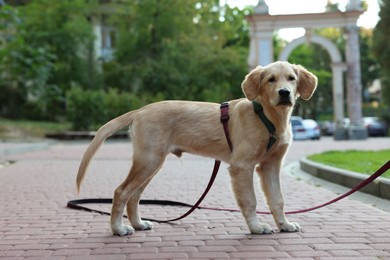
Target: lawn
[366, 162]
[21, 129]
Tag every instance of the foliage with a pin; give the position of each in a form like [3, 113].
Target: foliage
[47, 48]
[165, 47]
[369, 64]
[25, 68]
[171, 49]
[381, 47]
[88, 109]
[358, 161]
[84, 107]
[67, 33]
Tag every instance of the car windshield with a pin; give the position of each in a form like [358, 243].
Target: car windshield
[296, 122]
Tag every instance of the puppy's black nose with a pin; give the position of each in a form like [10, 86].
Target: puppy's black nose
[284, 93]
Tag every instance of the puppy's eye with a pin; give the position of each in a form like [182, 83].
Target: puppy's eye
[291, 78]
[272, 79]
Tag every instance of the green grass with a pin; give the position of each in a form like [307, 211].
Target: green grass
[21, 129]
[366, 162]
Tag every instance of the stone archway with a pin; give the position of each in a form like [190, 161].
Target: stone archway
[338, 67]
[262, 27]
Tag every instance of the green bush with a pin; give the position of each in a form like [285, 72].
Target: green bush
[85, 108]
[116, 103]
[89, 109]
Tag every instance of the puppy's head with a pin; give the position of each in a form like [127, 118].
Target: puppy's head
[279, 84]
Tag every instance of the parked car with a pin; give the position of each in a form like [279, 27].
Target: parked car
[375, 126]
[312, 129]
[299, 132]
[327, 128]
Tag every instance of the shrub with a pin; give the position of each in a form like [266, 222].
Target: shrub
[89, 109]
[116, 103]
[85, 108]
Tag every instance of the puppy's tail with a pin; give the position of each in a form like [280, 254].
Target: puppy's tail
[102, 134]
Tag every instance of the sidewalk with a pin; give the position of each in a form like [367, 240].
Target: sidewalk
[35, 223]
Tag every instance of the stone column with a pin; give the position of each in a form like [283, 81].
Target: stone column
[354, 85]
[261, 48]
[340, 133]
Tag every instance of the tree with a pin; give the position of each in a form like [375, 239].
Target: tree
[25, 68]
[381, 48]
[369, 63]
[173, 49]
[49, 53]
[180, 49]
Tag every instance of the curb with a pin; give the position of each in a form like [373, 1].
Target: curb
[17, 148]
[83, 135]
[379, 187]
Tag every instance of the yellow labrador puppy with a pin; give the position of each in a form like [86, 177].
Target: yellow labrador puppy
[194, 127]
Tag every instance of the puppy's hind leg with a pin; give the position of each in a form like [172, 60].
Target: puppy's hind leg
[133, 212]
[140, 173]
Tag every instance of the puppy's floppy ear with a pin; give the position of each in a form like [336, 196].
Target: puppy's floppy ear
[251, 84]
[307, 82]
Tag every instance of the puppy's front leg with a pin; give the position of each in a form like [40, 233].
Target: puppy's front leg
[270, 179]
[242, 184]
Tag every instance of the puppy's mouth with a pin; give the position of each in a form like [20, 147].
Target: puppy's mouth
[285, 102]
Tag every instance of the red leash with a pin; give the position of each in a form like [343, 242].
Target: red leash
[361, 185]
[75, 204]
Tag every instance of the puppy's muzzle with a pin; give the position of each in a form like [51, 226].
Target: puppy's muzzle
[284, 97]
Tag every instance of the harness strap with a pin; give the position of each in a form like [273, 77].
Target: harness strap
[224, 120]
[268, 124]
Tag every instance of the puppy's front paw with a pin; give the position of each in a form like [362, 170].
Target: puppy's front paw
[261, 229]
[122, 230]
[290, 227]
[143, 225]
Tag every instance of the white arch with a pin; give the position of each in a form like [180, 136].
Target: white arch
[338, 67]
[262, 26]
[327, 44]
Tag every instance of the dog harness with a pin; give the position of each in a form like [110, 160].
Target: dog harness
[271, 128]
[260, 113]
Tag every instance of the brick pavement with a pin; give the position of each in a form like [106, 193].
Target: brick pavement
[34, 222]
